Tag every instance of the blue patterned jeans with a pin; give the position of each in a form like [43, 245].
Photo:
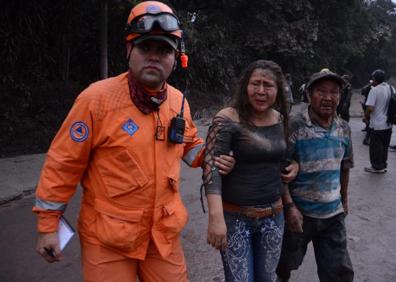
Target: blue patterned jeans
[253, 247]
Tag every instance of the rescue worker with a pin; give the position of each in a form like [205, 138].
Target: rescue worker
[115, 141]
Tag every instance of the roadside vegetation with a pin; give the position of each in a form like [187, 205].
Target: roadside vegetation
[51, 50]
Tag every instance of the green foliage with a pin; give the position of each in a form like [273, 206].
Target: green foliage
[46, 43]
[302, 36]
[50, 40]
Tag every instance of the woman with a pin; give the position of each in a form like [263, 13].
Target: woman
[245, 208]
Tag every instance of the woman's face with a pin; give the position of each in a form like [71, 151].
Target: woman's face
[262, 90]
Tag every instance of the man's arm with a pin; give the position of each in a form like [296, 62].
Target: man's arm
[294, 218]
[346, 165]
[367, 113]
[225, 163]
[344, 180]
[66, 161]
[194, 149]
[370, 102]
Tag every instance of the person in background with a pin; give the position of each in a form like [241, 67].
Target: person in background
[289, 91]
[303, 93]
[345, 101]
[381, 130]
[365, 91]
[119, 141]
[316, 201]
[245, 207]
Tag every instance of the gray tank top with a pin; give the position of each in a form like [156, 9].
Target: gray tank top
[258, 151]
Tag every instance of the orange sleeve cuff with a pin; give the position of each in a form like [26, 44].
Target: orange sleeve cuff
[47, 221]
[199, 159]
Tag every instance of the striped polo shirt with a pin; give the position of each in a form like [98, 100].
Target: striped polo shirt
[320, 153]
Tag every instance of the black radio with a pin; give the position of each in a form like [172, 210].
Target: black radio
[176, 130]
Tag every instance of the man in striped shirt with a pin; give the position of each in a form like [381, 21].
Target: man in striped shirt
[317, 201]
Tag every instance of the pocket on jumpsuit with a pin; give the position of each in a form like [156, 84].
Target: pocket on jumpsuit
[118, 228]
[121, 174]
[174, 214]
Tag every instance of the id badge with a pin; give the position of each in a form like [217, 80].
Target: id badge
[160, 133]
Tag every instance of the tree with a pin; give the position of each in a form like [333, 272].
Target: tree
[103, 39]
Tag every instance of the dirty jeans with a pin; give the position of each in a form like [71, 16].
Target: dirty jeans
[330, 245]
[253, 247]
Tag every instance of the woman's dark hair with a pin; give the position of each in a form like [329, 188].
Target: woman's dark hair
[241, 102]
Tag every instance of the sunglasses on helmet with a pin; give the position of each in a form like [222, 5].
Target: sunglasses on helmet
[146, 23]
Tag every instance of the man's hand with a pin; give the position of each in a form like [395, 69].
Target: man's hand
[217, 232]
[345, 206]
[225, 163]
[48, 247]
[290, 172]
[294, 220]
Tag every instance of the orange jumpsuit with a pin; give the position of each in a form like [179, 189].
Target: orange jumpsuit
[131, 202]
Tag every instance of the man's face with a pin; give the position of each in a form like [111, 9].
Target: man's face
[151, 63]
[325, 97]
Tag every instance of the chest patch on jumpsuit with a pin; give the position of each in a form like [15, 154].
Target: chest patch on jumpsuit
[79, 131]
[130, 127]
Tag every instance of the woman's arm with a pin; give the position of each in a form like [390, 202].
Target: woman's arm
[217, 230]
[218, 142]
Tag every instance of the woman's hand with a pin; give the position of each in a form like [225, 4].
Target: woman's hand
[217, 232]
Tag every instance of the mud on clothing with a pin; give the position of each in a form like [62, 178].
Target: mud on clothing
[330, 244]
[258, 151]
[253, 244]
[320, 153]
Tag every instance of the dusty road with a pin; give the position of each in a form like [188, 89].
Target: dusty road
[371, 224]
[371, 231]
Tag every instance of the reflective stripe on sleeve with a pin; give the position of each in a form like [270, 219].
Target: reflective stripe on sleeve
[48, 205]
[190, 157]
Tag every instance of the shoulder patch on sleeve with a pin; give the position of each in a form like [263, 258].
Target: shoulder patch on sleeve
[79, 131]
